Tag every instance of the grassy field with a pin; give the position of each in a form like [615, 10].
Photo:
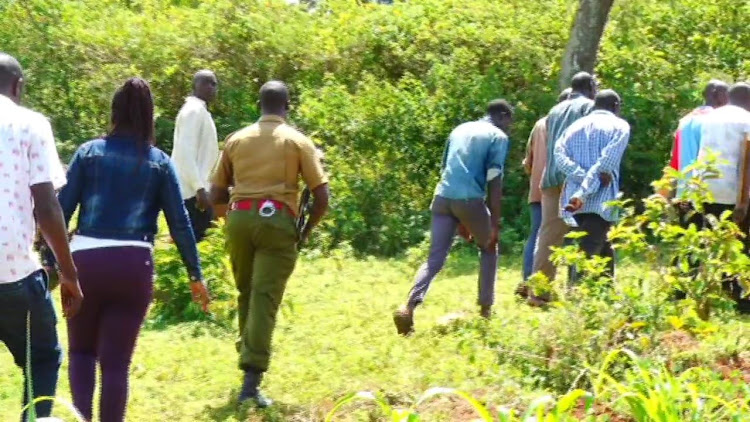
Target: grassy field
[335, 336]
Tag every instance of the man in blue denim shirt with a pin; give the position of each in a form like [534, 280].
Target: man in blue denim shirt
[473, 164]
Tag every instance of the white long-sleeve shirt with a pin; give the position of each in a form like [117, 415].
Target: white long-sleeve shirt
[196, 147]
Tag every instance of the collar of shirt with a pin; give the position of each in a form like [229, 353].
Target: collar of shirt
[271, 118]
[602, 111]
[193, 98]
[574, 95]
[7, 102]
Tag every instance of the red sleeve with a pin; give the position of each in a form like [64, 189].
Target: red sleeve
[675, 160]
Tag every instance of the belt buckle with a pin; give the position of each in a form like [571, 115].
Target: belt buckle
[267, 209]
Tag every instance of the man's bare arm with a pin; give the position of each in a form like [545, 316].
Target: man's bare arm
[49, 217]
[494, 200]
[321, 198]
[220, 200]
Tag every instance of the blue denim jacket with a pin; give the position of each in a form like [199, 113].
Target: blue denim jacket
[121, 191]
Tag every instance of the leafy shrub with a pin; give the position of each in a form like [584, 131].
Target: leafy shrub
[380, 86]
[172, 298]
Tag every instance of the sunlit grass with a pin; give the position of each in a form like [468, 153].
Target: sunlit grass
[335, 337]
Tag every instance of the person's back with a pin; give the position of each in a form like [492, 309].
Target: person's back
[21, 148]
[560, 118]
[589, 154]
[30, 171]
[722, 133]
[121, 183]
[472, 149]
[262, 164]
[591, 134]
[689, 135]
[121, 189]
[195, 151]
[553, 229]
[473, 164]
[267, 160]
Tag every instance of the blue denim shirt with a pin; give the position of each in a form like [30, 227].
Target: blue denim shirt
[472, 150]
[121, 191]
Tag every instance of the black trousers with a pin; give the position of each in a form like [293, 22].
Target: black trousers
[595, 242]
[200, 220]
[731, 286]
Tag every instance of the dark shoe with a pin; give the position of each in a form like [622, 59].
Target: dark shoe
[251, 390]
[404, 321]
[743, 306]
[538, 301]
[486, 311]
[522, 290]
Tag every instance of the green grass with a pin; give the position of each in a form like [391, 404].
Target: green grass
[335, 336]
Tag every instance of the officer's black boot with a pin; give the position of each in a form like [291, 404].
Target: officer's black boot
[251, 389]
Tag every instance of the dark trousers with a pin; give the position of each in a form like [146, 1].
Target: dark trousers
[595, 242]
[688, 216]
[200, 220]
[446, 215]
[117, 284]
[17, 300]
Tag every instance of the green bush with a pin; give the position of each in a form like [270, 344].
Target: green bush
[172, 299]
[380, 87]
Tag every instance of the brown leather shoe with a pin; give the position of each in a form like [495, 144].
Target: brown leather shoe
[404, 321]
[538, 301]
[522, 290]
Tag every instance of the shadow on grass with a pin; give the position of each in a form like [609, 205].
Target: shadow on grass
[279, 412]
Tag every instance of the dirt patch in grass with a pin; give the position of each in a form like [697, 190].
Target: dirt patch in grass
[448, 409]
[732, 366]
[679, 341]
[600, 410]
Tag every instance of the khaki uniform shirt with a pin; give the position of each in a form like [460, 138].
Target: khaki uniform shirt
[266, 160]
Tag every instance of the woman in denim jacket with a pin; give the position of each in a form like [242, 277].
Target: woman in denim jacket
[121, 183]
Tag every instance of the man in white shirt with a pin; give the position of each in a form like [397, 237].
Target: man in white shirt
[723, 132]
[30, 170]
[196, 150]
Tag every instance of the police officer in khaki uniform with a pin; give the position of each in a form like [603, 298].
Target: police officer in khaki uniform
[262, 164]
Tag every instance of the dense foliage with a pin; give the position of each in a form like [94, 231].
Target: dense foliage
[379, 87]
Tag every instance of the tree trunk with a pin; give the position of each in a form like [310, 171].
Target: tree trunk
[583, 45]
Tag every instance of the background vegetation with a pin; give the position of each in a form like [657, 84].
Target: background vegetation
[379, 87]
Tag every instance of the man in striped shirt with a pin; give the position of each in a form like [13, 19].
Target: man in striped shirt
[589, 155]
[552, 230]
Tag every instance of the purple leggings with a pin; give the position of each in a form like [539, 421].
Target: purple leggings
[117, 286]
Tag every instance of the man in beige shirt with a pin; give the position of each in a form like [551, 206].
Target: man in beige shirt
[533, 164]
[263, 164]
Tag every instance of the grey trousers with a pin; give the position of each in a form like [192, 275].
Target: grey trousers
[446, 215]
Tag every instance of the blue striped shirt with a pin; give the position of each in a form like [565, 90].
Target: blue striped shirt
[592, 145]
